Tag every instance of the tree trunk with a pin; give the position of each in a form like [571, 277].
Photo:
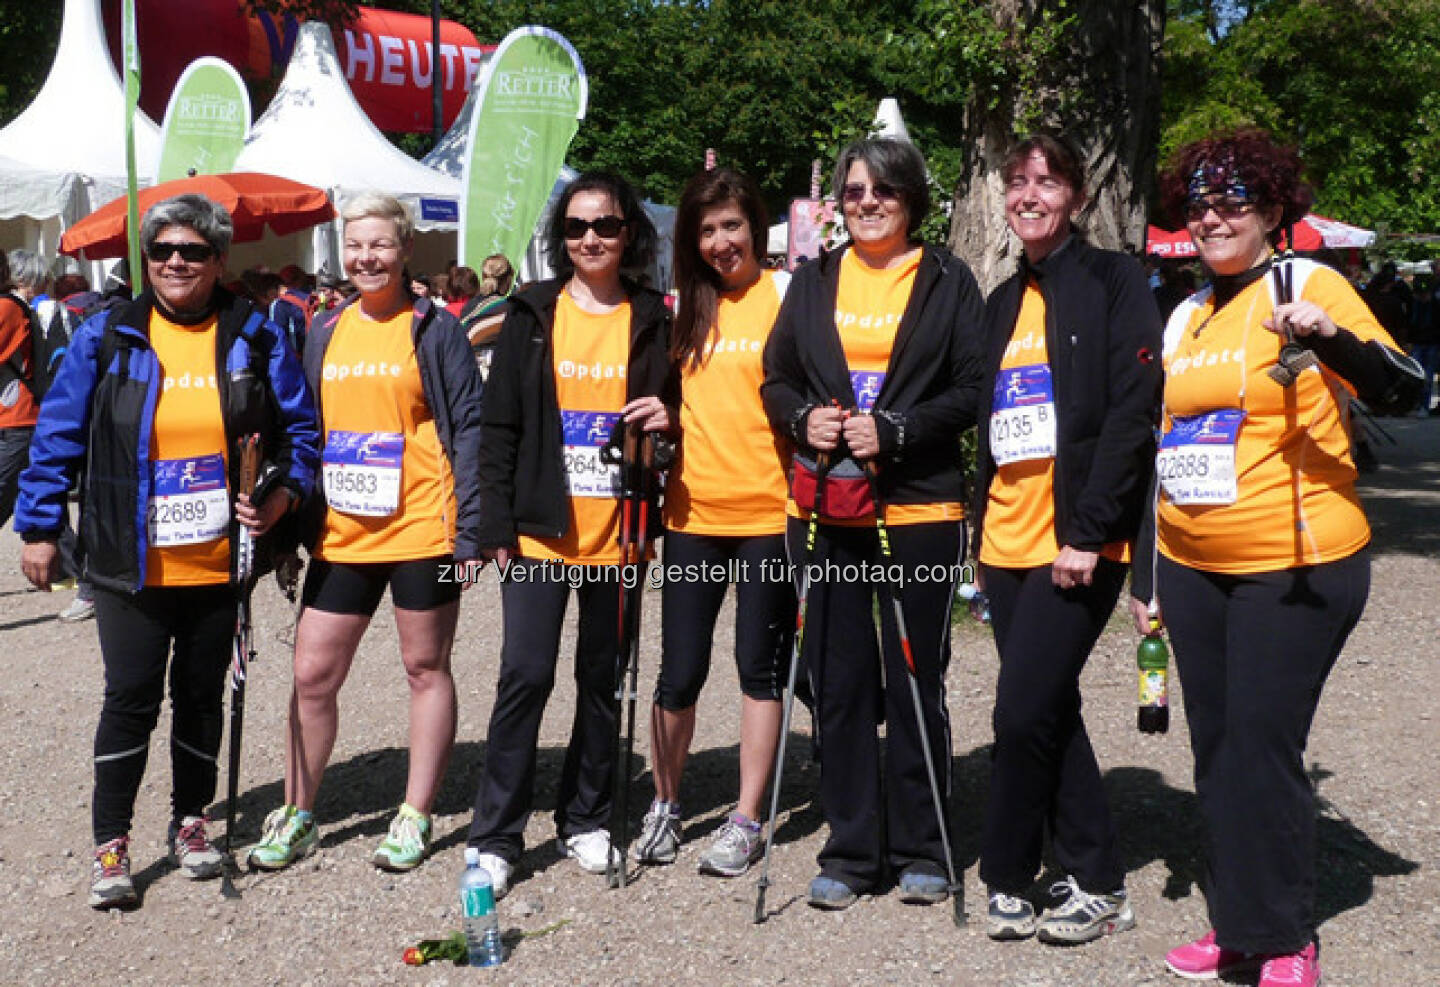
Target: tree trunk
[1097, 80]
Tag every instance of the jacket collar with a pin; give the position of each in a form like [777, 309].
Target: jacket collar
[1059, 257]
[230, 310]
[646, 304]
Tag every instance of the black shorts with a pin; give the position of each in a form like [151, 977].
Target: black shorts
[356, 587]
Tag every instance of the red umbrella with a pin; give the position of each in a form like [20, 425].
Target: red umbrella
[256, 202]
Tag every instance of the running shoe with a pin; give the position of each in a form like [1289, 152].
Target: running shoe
[287, 838]
[192, 851]
[659, 840]
[737, 845]
[1204, 960]
[407, 843]
[592, 850]
[1300, 969]
[1009, 917]
[1083, 917]
[831, 895]
[921, 887]
[110, 884]
[499, 870]
[76, 611]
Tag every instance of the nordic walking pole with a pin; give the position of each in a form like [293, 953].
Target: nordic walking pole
[244, 654]
[644, 479]
[957, 890]
[822, 467]
[616, 875]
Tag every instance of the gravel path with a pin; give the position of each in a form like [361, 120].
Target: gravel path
[335, 919]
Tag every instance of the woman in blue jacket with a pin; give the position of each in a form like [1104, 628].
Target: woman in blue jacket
[151, 400]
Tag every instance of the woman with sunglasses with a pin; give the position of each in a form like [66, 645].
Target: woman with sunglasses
[724, 512]
[151, 400]
[576, 354]
[399, 404]
[1261, 568]
[1064, 464]
[874, 365]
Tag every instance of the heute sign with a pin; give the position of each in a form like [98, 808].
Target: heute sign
[386, 55]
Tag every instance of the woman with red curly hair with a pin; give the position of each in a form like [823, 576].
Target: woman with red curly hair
[1260, 562]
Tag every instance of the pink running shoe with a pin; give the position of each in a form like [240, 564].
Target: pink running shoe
[1203, 960]
[1300, 969]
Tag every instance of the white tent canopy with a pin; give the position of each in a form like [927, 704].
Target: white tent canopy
[64, 156]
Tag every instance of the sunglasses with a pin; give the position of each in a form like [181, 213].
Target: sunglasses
[883, 191]
[191, 253]
[605, 227]
[1227, 207]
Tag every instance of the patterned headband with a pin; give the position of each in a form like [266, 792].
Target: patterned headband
[1218, 178]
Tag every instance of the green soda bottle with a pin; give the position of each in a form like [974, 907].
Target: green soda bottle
[1153, 660]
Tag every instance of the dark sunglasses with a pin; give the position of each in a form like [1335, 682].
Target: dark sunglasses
[883, 191]
[1227, 207]
[605, 227]
[191, 253]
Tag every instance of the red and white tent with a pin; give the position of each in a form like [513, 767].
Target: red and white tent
[1314, 232]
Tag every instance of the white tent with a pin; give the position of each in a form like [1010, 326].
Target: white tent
[448, 156]
[64, 156]
[315, 132]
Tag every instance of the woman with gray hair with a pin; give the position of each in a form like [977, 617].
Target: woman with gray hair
[873, 369]
[399, 406]
[152, 398]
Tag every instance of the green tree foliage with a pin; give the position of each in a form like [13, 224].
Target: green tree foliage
[28, 34]
[1354, 85]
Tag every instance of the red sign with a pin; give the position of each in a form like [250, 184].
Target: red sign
[385, 55]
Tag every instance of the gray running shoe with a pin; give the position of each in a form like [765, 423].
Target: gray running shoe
[1009, 917]
[192, 851]
[1083, 917]
[110, 884]
[737, 845]
[659, 840]
[77, 610]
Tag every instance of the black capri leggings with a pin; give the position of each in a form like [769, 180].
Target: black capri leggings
[698, 569]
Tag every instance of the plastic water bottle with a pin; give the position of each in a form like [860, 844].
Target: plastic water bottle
[1152, 659]
[477, 905]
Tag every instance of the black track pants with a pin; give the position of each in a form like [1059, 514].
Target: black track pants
[534, 612]
[1042, 769]
[136, 634]
[1253, 653]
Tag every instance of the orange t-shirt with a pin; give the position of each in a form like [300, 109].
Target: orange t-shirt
[388, 487]
[591, 354]
[869, 303]
[730, 479]
[1294, 481]
[1019, 527]
[188, 517]
[17, 404]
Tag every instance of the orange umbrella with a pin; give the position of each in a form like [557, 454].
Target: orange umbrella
[256, 202]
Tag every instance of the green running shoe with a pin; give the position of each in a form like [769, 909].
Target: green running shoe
[407, 843]
[287, 839]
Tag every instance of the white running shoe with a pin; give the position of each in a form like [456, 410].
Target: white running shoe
[592, 850]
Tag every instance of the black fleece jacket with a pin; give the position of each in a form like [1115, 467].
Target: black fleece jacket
[1103, 338]
[932, 384]
[522, 454]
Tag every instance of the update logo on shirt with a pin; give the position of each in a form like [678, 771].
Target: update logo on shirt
[360, 369]
[188, 382]
[571, 370]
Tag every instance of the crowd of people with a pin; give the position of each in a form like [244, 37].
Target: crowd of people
[416, 429]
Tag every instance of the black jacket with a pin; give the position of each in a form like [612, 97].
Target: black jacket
[931, 385]
[453, 393]
[1103, 338]
[522, 458]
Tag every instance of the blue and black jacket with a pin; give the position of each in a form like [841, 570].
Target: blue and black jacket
[99, 418]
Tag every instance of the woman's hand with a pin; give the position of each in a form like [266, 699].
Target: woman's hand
[1073, 567]
[262, 519]
[468, 572]
[1140, 613]
[500, 556]
[823, 426]
[861, 436]
[649, 412]
[1302, 318]
[40, 561]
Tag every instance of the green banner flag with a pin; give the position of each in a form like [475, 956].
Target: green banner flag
[130, 52]
[206, 122]
[532, 99]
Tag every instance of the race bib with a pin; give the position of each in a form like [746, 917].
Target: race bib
[585, 433]
[189, 501]
[1022, 415]
[866, 384]
[362, 472]
[1196, 462]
